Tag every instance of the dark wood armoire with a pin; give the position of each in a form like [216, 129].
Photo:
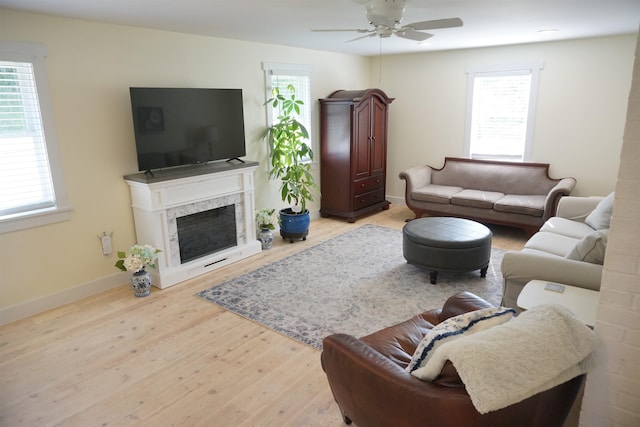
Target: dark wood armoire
[353, 152]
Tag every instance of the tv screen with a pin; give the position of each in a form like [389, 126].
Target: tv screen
[183, 126]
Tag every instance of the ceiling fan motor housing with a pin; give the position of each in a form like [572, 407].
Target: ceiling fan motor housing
[387, 11]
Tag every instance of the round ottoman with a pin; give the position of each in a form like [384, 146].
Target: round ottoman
[447, 244]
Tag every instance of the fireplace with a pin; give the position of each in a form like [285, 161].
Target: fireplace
[206, 232]
[201, 217]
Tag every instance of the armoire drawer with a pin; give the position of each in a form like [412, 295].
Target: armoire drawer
[366, 199]
[368, 184]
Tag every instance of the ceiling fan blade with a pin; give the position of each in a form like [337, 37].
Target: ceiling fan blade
[412, 35]
[359, 30]
[435, 24]
[362, 37]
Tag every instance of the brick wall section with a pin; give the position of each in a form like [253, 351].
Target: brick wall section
[612, 392]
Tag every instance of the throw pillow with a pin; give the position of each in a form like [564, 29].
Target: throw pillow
[455, 327]
[600, 217]
[590, 248]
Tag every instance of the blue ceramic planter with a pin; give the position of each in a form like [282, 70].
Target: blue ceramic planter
[294, 226]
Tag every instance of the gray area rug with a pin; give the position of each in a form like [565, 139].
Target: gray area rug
[355, 283]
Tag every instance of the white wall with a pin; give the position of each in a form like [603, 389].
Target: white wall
[90, 68]
[612, 392]
[582, 101]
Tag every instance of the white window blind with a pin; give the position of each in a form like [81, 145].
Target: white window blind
[303, 92]
[500, 113]
[32, 190]
[25, 176]
[282, 75]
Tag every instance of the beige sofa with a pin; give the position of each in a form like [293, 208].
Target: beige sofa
[568, 249]
[509, 193]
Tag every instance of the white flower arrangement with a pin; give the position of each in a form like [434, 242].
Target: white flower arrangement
[266, 219]
[137, 258]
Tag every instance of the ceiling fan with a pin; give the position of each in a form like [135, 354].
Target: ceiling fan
[385, 16]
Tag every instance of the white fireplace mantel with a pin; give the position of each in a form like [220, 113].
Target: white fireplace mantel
[159, 199]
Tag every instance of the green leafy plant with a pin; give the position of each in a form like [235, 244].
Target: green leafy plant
[266, 219]
[290, 156]
[137, 258]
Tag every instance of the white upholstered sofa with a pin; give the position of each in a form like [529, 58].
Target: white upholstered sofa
[569, 248]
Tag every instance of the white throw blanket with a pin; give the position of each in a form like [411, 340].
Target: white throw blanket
[541, 348]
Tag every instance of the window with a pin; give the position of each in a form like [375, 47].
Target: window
[282, 75]
[31, 187]
[500, 112]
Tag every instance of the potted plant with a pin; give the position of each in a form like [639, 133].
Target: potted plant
[266, 221]
[136, 259]
[290, 160]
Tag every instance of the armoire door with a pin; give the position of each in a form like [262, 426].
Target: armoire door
[378, 137]
[361, 157]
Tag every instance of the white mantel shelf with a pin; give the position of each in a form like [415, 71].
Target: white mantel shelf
[159, 199]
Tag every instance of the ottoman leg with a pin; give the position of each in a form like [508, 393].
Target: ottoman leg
[483, 271]
[433, 276]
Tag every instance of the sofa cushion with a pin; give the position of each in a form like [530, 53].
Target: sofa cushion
[476, 198]
[435, 193]
[566, 227]
[521, 204]
[454, 328]
[552, 243]
[591, 248]
[600, 217]
[537, 252]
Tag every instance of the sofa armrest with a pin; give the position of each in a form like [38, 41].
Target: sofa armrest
[562, 188]
[523, 266]
[416, 177]
[460, 303]
[577, 208]
[518, 268]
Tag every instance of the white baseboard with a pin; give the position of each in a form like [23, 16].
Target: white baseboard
[397, 200]
[38, 305]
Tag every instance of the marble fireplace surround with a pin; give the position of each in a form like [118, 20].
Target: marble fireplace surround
[158, 201]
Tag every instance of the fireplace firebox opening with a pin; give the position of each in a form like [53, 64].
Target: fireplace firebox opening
[206, 232]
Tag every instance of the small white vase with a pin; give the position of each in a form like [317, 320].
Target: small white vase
[141, 283]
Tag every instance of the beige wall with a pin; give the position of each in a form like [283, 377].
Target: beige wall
[90, 68]
[612, 393]
[582, 102]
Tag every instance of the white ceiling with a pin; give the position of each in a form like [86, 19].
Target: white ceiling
[289, 22]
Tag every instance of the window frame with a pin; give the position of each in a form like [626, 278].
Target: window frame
[508, 70]
[271, 70]
[35, 54]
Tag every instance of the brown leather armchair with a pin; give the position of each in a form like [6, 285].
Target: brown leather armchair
[372, 388]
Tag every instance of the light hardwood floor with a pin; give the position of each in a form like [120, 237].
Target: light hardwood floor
[172, 358]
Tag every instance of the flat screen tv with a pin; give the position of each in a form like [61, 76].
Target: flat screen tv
[184, 126]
